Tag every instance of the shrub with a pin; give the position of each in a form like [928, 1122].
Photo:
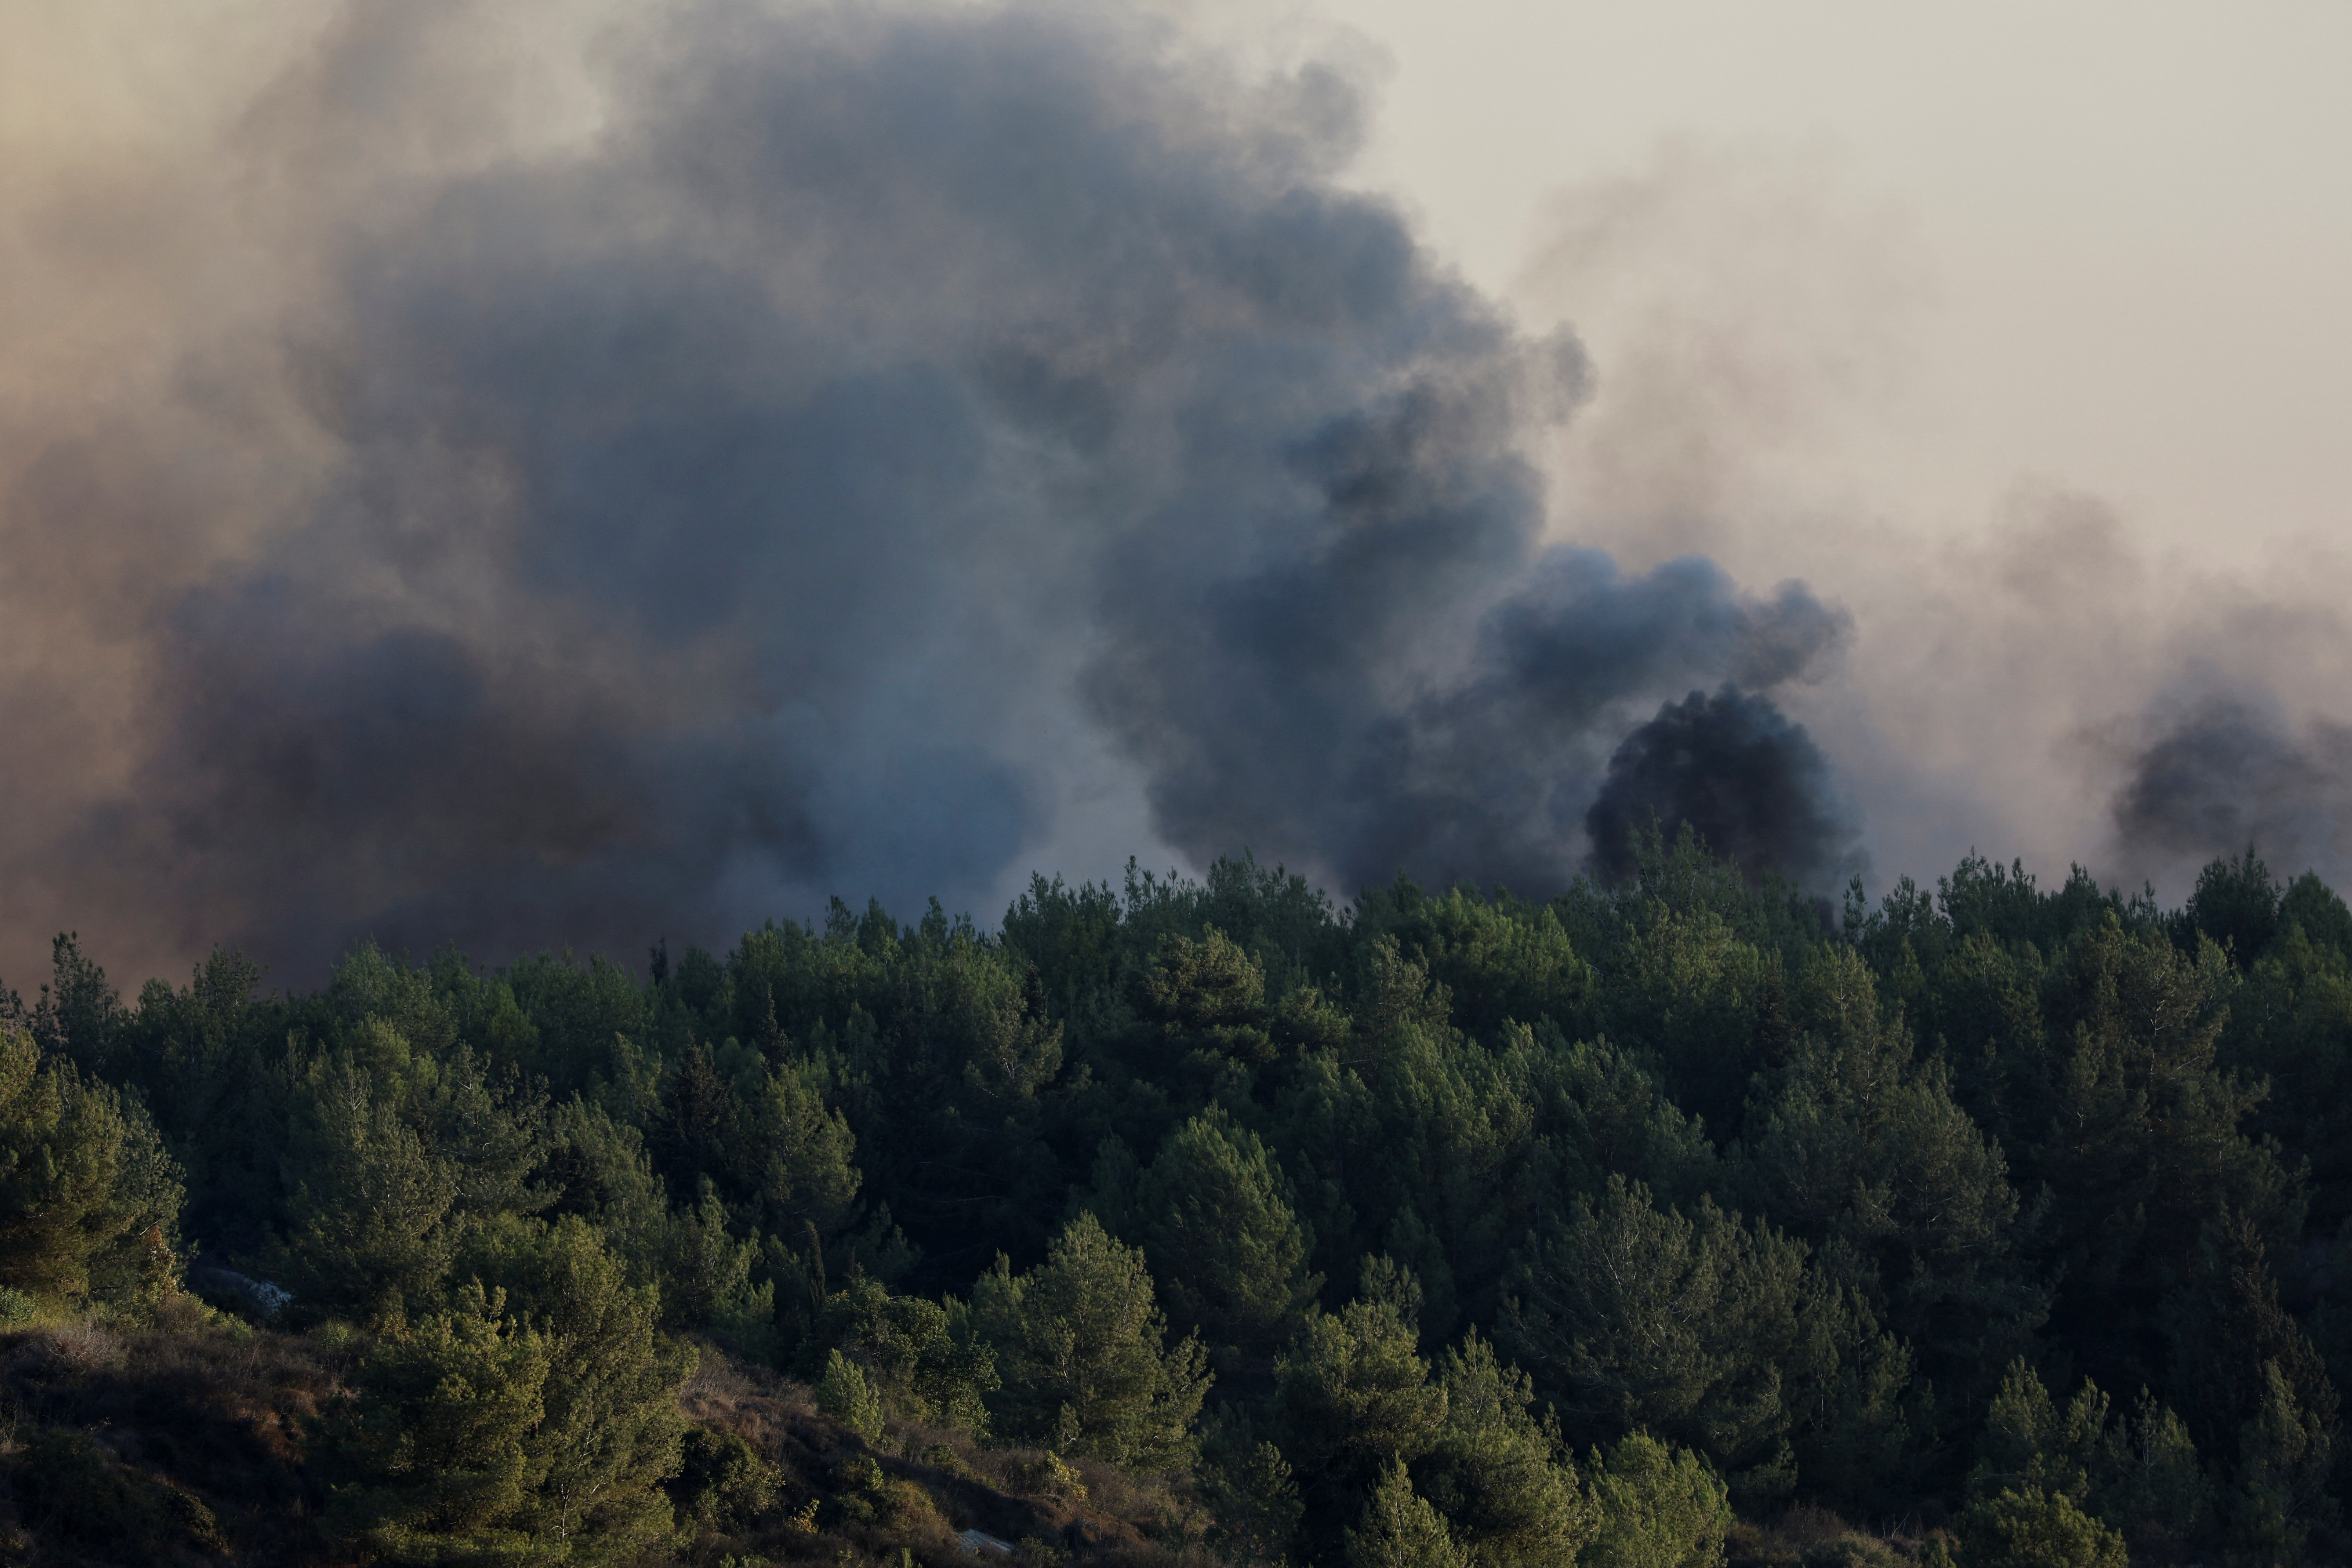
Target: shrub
[845, 1396]
[2032, 1529]
[1660, 1507]
[723, 1483]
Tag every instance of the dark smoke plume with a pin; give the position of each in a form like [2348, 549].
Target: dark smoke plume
[2227, 773]
[783, 488]
[1752, 784]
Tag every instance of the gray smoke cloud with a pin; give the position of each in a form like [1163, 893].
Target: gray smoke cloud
[1752, 784]
[2228, 773]
[868, 419]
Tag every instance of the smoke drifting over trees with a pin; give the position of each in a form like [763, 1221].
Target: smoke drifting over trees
[817, 449]
[763, 492]
[2231, 771]
[1752, 784]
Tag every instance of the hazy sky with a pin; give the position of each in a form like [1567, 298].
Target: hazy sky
[1997, 350]
[2115, 236]
[1921, 273]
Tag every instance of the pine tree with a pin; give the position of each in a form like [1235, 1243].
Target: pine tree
[610, 1429]
[1213, 1219]
[367, 1196]
[1255, 1497]
[2148, 1482]
[82, 1177]
[1640, 1316]
[842, 1395]
[2285, 1454]
[1353, 1395]
[1858, 1143]
[2028, 1528]
[1401, 1530]
[1080, 1342]
[431, 1460]
[1659, 1507]
[1502, 1479]
[923, 1359]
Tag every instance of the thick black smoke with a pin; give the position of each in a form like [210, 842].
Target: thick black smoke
[2225, 774]
[1751, 783]
[774, 493]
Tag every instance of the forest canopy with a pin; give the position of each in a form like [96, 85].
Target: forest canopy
[1435, 1229]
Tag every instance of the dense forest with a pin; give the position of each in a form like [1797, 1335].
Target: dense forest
[1671, 1220]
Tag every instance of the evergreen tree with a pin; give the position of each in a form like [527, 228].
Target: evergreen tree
[2028, 1528]
[2287, 1451]
[1400, 1530]
[368, 1199]
[924, 1359]
[2030, 1444]
[431, 1459]
[609, 1432]
[1211, 1215]
[1658, 1507]
[1353, 1395]
[2148, 1482]
[1856, 1143]
[1079, 1340]
[842, 1395]
[83, 1178]
[1204, 1000]
[1639, 1317]
[1254, 1497]
[1502, 1478]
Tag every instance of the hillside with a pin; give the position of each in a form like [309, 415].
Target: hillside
[1671, 1218]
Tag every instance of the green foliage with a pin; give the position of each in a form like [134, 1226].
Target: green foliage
[1400, 1530]
[1807, 1206]
[1503, 962]
[2286, 1452]
[924, 1360]
[610, 1429]
[432, 1458]
[1686, 989]
[2137, 1471]
[1641, 1317]
[2028, 1528]
[1212, 1214]
[2148, 1482]
[1603, 1113]
[842, 1394]
[1502, 1478]
[2235, 904]
[479, 1435]
[1255, 1497]
[1080, 1342]
[82, 1175]
[1857, 1144]
[1204, 998]
[723, 1483]
[1659, 1507]
[1353, 1395]
[369, 1199]
[2029, 1445]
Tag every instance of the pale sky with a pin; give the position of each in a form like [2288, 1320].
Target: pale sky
[2131, 224]
[1910, 271]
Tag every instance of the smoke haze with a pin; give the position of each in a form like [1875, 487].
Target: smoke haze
[2231, 771]
[1751, 783]
[781, 483]
[516, 478]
